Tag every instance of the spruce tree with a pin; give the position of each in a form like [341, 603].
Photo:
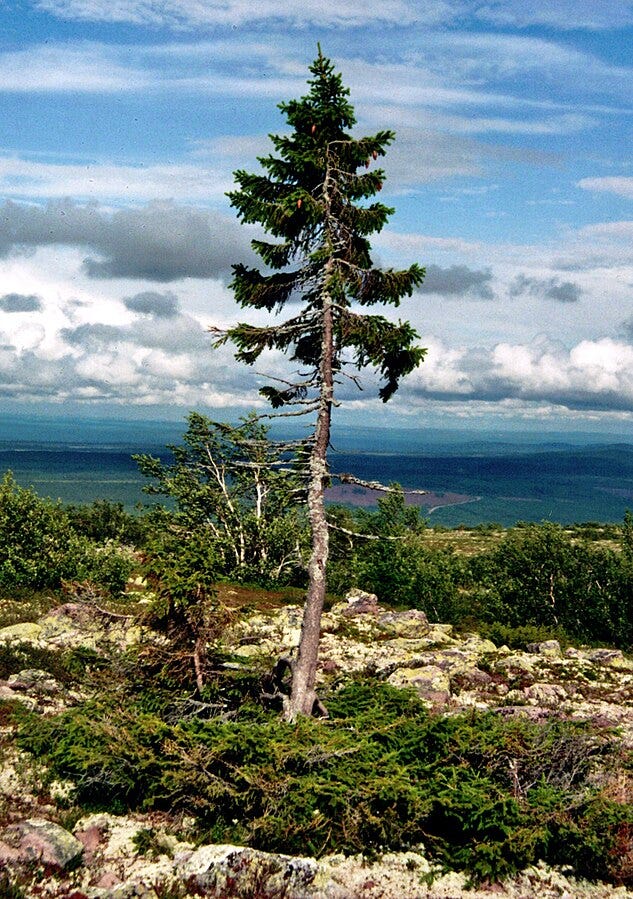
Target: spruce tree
[311, 198]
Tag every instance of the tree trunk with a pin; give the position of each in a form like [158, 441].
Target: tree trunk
[303, 696]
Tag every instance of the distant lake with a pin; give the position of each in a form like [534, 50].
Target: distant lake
[472, 478]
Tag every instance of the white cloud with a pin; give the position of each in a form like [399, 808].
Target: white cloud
[192, 13]
[59, 68]
[92, 180]
[562, 14]
[594, 374]
[621, 186]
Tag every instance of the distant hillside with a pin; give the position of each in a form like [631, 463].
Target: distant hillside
[472, 478]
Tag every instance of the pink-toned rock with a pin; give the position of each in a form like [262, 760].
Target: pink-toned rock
[90, 838]
[108, 879]
[361, 603]
[44, 841]
[8, 854]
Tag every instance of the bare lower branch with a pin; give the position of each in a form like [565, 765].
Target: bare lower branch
[305, 411]
[374, 485]
[336, 527]
[308, 383]
[353, 378]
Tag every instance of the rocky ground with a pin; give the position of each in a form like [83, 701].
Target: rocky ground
[138, 856]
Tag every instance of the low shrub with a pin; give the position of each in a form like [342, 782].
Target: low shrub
[481, 793]
[40, 548]
[108, 565]
[65, 666]
[538, 575]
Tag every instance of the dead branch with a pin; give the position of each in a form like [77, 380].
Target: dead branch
[336, 527]
[373, 485]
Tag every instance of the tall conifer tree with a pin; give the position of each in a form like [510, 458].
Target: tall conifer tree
[310, 200]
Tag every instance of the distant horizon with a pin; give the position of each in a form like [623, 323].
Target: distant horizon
[89, 427]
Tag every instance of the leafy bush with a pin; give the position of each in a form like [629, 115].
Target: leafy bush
[482, 793]
[109, 565]
[38, 546]
[405, 573]
[103, 520]
[20, 604]
[537, 575]
[520, 636]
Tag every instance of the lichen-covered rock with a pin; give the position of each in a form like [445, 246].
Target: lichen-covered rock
[80, 624]
[430, 682]
[7, 694]
[545, 694]
[45, 842]
[115, 867]
[549, 648]
[614, 658]
[452, 672]
[25, 632]
[266, 634]
[35, 682]
[515, 664]
[361, 603]
[237, 871]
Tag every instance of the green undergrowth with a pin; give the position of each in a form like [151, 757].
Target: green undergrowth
[519, 636]
[479, 792]
[21, 604]
[65, 666]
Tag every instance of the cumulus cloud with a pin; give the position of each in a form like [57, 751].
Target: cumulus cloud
[159, 305]
[177, 333]
[18, 302]
[164, 355]
[593, 374]
[459, 281]
[548, 288]
[160, 356]
[161, 241]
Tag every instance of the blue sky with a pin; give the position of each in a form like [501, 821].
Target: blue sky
[511, 175]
